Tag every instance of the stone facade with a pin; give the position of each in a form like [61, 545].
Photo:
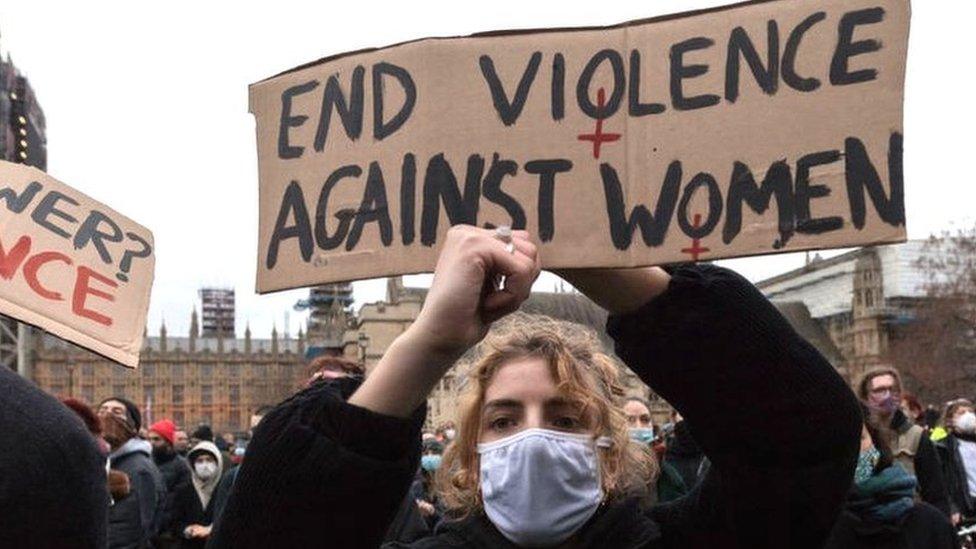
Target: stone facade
[191, 380]
[860, 299]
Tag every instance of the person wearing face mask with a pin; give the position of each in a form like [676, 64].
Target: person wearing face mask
[193, 501]
[138, 516]
[667, 485]
[423, 489]
[881, 389]
[958, 455]
[542, 456]
[881, 511]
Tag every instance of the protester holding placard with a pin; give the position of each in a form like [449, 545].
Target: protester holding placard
[541, 454]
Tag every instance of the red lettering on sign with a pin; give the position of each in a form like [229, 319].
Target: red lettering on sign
[83, 289]
[34, 264]
[10, 261]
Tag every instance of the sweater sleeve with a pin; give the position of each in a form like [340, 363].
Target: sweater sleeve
[931, 483]
[778, 423]
[320, 471]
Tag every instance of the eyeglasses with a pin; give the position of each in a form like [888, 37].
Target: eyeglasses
[891, 389]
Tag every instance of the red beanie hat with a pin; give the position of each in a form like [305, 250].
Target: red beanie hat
[164, 428]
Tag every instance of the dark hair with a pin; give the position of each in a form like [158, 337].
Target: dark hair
[203, 432]
[131, 410]
[263, 410]
[881, 438]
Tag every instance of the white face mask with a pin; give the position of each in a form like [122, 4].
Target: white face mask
[540, 486]
[205, 470]
[966, 423]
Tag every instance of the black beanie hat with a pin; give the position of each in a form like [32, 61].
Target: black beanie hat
[131, 410]
[203, 432]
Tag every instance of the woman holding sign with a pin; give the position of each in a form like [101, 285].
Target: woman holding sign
[542, 458]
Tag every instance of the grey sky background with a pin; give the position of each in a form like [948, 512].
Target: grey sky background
[147, 111]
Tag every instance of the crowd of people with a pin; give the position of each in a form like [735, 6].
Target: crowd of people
[766, 446]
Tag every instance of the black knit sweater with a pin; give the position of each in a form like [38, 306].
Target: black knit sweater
[778, 424]
[53, 490]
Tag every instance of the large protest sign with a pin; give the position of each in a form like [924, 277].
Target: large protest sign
[757, 128]
[73, 266]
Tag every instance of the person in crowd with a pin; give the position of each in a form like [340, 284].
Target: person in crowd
[136, 518]
[881, 389]
[930, 419]
[638, 413]
[685, 455]
[175, 471]
[91, 420]
[52, 473]
[193, 501]
[912, 408]
[957, 451]
[202, 433]
[881, 511]
[181, 442]
[542, 455]
[171, 465]
[668, 484]
[423, 490]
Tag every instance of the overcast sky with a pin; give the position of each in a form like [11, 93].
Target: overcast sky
[146, 107]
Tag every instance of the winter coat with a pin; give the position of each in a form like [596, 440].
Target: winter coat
[927, 467]
[174, 469]
[187, 506]
[136, 518]
[336, 474]
[954, 471]
[53, 490]
[685, 456]
[187, 510]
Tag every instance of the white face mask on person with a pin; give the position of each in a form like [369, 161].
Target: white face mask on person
[966, 423]
[540, 486]
[205, 470]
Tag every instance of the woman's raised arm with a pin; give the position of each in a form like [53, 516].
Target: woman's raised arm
[462, 303]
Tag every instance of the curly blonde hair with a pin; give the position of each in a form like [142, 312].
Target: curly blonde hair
[582, 372]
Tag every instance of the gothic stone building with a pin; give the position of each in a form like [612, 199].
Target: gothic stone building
[192, 380]
[859, 298]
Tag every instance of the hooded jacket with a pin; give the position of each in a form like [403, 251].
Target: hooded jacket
[136, 518]
[193, 500]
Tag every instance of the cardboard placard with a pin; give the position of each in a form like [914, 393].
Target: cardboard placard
[756, 128]
[73, 266]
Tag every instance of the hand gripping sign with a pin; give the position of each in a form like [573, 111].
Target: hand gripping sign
[73, 266]
[757, 128]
